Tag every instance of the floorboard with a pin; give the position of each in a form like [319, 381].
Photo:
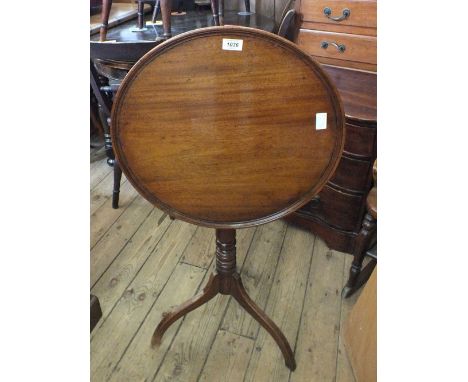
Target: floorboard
[143, 263]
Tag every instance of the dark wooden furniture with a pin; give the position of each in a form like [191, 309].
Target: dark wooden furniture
[95, 312]
[337, 213]
[101, 92]
[286, 26]
[366, 245]
[245, 145]
[340, 32]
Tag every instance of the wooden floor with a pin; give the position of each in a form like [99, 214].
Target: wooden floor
[142, 263]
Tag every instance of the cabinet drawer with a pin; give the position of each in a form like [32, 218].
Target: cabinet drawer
[348, 47]
[353, 174]
[360, 141]
[362, 13]
[339, 209]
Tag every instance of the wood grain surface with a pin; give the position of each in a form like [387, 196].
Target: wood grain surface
[231, 139]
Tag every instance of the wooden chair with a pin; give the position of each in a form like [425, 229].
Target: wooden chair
[232, 145]
[104, 102]
[288, 25]
[103, 93]
[286, 28]
[366, 244]
[165, 6]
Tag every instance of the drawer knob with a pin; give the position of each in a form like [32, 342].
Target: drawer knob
[327, 12]
[340, 47]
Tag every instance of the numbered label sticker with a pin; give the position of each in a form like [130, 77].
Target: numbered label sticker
[320, 121]
[232, 44]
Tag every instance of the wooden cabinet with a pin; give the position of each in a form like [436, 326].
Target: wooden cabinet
[341, 33]
[336, 213]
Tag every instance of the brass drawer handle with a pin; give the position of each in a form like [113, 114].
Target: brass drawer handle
[346, 12]
[340, 47]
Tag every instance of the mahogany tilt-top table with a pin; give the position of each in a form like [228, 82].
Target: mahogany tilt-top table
[239, 142]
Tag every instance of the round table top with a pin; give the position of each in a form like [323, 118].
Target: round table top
[227, 127]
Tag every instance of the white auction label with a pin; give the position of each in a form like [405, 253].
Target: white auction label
[320, 121]
[232, 44]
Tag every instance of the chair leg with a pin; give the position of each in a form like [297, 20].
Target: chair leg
[140, 12]
[166, 17]
[363, 242]
[364, 274]
[106, 7]
[108, 142]
[156, 10]
[117, 178]
[214, 10]
[247, 6]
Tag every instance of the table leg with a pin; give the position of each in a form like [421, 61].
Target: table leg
[211, 290]
[241, 296]
[227, 281]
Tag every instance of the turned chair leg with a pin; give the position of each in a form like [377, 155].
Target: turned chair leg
[166, 17]
[363, 242]
[106, 7]
[117, 178]
[140, 13]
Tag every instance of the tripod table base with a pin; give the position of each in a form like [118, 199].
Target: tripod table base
[226, 281]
